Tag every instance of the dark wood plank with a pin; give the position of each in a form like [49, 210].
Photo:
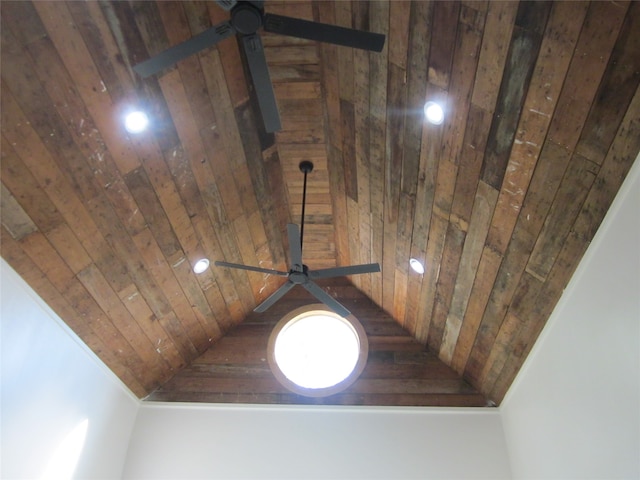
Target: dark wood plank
[615, 167]
[445, 22]
[398, 38]
[493, 53]
[573, 190]
[451, 254]
[23, 14]
[563, 28]
[465, 62]
[619, 84]
[145, 197]
[419, 42]
[19, 181]
[484, 204]
[506, 281]
[472, 152]
[597, 38]
[531, 19]
[78, 61]
[485, 277]
[14, 218]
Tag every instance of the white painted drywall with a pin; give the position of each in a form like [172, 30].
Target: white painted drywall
[172, 441]
[51, 382]
[574, 409]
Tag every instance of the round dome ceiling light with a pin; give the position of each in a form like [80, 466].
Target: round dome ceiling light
[416, 265]
[434, 113]
[315, 352]
[200, 266]
[136, 122]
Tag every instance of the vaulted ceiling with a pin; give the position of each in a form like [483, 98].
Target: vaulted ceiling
[500, 201]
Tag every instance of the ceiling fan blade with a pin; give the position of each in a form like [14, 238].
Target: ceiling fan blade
[295, 248]
[322, 32]
[327, 299]
[342, 271]
[274, 297]
[253, 269]
[173, 55]
[262, 82]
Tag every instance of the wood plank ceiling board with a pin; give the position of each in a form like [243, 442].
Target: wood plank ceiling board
[500, 201]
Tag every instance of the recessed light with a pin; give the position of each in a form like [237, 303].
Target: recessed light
[416, 265]
[434, 113]
[136, 122]
[201, 265]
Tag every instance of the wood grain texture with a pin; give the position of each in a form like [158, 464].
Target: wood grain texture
[499, 202]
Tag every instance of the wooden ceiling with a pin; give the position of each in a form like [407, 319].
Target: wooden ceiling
[542, 123]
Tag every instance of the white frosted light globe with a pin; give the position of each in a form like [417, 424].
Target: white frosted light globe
[317, 351]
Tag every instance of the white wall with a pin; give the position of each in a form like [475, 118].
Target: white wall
[297, 442]
[51, 383]
[574, 409]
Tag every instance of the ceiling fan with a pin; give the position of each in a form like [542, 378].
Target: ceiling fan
[298, 273]
[246, 18]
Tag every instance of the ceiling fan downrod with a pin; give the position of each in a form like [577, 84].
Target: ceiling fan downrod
[305, 167]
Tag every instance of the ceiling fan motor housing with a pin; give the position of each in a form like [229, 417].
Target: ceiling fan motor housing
[305, 166]
[298, 278]
[246, 18]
